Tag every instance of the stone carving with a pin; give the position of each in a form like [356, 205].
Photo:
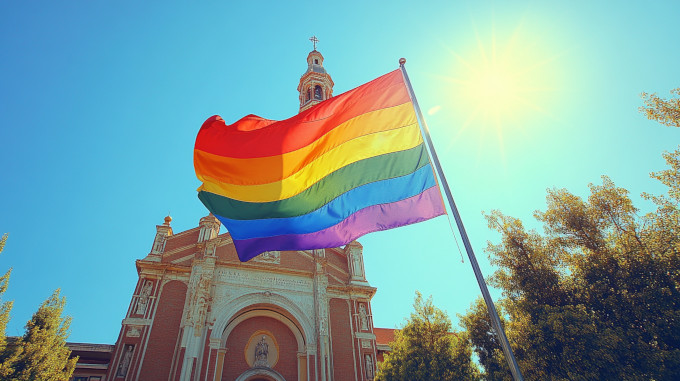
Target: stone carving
[363, 319]
[134, 331]
[319, 253]
[200, 304]
[273, 257]
[198, 299]
[210, 249]
[143, 300]
[159, 243]
[356, 268]
[261, 352]
[370, 371]
[201, 312]
[263, 280]
[125, 361]
[355, 262]
[365, 343]
[323, 326]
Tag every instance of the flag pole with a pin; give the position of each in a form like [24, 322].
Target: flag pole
[493, 314]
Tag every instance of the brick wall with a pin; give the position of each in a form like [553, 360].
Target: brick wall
[164, 333]
[341, 331]
[184, 238]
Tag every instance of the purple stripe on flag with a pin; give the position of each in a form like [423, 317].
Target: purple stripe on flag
[420, 207]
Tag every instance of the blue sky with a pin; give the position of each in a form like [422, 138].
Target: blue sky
[100, 104]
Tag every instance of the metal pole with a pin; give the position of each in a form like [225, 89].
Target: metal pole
[495, 320]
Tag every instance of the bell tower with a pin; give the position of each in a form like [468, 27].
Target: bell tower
[316, 84]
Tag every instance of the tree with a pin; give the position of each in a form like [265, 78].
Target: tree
[427, 349]
[42, 354]
[5, 307]
[664, 111]
[478, 328]
[596, 295]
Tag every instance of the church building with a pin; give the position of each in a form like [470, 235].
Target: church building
[198, 313]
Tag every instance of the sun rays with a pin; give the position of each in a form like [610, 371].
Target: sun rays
[501, 82]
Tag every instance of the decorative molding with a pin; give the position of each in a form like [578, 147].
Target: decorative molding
[134, 331]
[310, 349]
[273, 257]
[184, 278]
[323, 326]
[364, 335]
[146, 267]
[226, 314]
[268, 373]
[198, 296]
[319, 253]
[262, 280]
[136, 321]
[295, 330]
[210, 249]
[214, 343]
[210, 227]
[224, 241]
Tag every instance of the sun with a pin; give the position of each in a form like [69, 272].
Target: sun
[501, 79]
[494, 88]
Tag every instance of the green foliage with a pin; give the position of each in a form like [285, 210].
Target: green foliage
[478, 327]
[596, 295]
[41, 354]
[426, 349]
[5, 307]
[664, 111]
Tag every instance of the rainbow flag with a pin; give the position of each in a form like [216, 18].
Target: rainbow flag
[353, 164]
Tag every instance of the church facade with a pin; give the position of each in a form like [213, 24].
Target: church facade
[198, 313]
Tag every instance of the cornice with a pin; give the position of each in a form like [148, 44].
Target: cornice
[264, 268]
[354, 291]
[143, 265]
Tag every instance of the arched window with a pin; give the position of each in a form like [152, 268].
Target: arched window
[316, 61]
[317, 92]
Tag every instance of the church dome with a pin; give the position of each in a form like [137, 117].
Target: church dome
[315, 63]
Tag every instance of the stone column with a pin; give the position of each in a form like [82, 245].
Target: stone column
[196, 309]
[321, 309]
[219, 363]
[302, 366]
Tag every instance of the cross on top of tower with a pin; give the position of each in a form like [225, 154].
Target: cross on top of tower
[314, 40]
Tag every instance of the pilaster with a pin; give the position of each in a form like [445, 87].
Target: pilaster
[196, 320]
[162, 234]
[321, 311]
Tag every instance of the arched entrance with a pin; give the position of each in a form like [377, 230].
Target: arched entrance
[280, 339]
[260, 374]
